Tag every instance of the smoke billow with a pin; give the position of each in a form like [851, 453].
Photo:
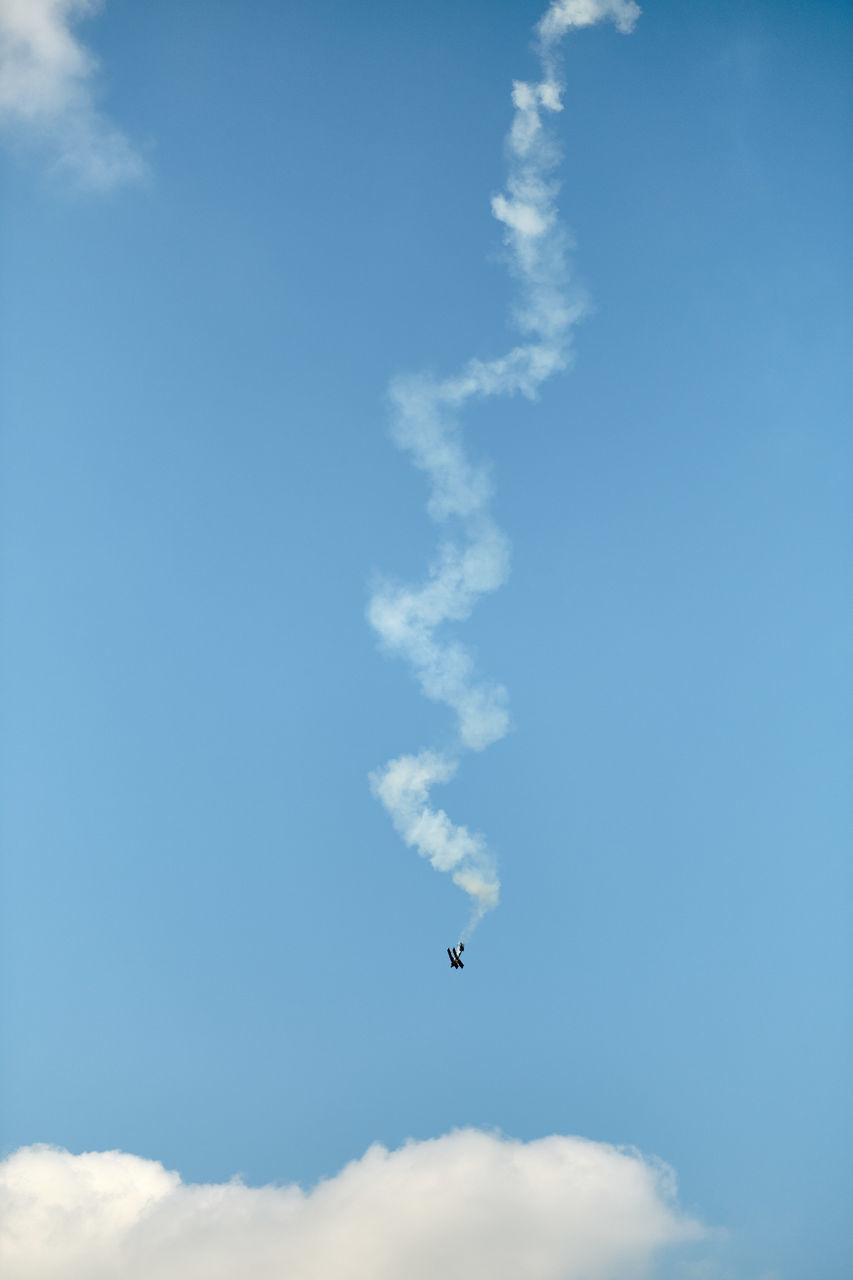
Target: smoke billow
[473, 555]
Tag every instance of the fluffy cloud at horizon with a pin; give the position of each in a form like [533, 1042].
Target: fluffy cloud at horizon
[469, 1204]
[47, 98]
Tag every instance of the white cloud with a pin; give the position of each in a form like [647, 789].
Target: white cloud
[46, 96]
[468, 1206]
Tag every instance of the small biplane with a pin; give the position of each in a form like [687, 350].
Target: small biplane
[455, 962]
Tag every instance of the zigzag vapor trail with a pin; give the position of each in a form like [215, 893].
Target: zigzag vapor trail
[473, 555]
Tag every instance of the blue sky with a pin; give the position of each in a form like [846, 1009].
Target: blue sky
[219, 953]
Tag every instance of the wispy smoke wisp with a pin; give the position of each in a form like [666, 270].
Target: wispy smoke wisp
[473, 557]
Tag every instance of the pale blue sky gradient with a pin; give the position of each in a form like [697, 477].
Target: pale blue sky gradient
[220, 954]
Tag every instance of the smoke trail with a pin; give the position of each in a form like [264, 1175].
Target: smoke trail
[473, 557]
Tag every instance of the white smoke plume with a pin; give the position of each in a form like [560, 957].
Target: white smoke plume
[46, 96]
[473, 557]
[466, 1206]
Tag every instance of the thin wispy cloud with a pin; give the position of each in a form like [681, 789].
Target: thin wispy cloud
[48, 81]
[463, 1206]
[474, 555]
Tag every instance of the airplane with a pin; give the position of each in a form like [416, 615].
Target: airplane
[455, 962]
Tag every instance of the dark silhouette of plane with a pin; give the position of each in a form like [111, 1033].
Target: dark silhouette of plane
[455, 962]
